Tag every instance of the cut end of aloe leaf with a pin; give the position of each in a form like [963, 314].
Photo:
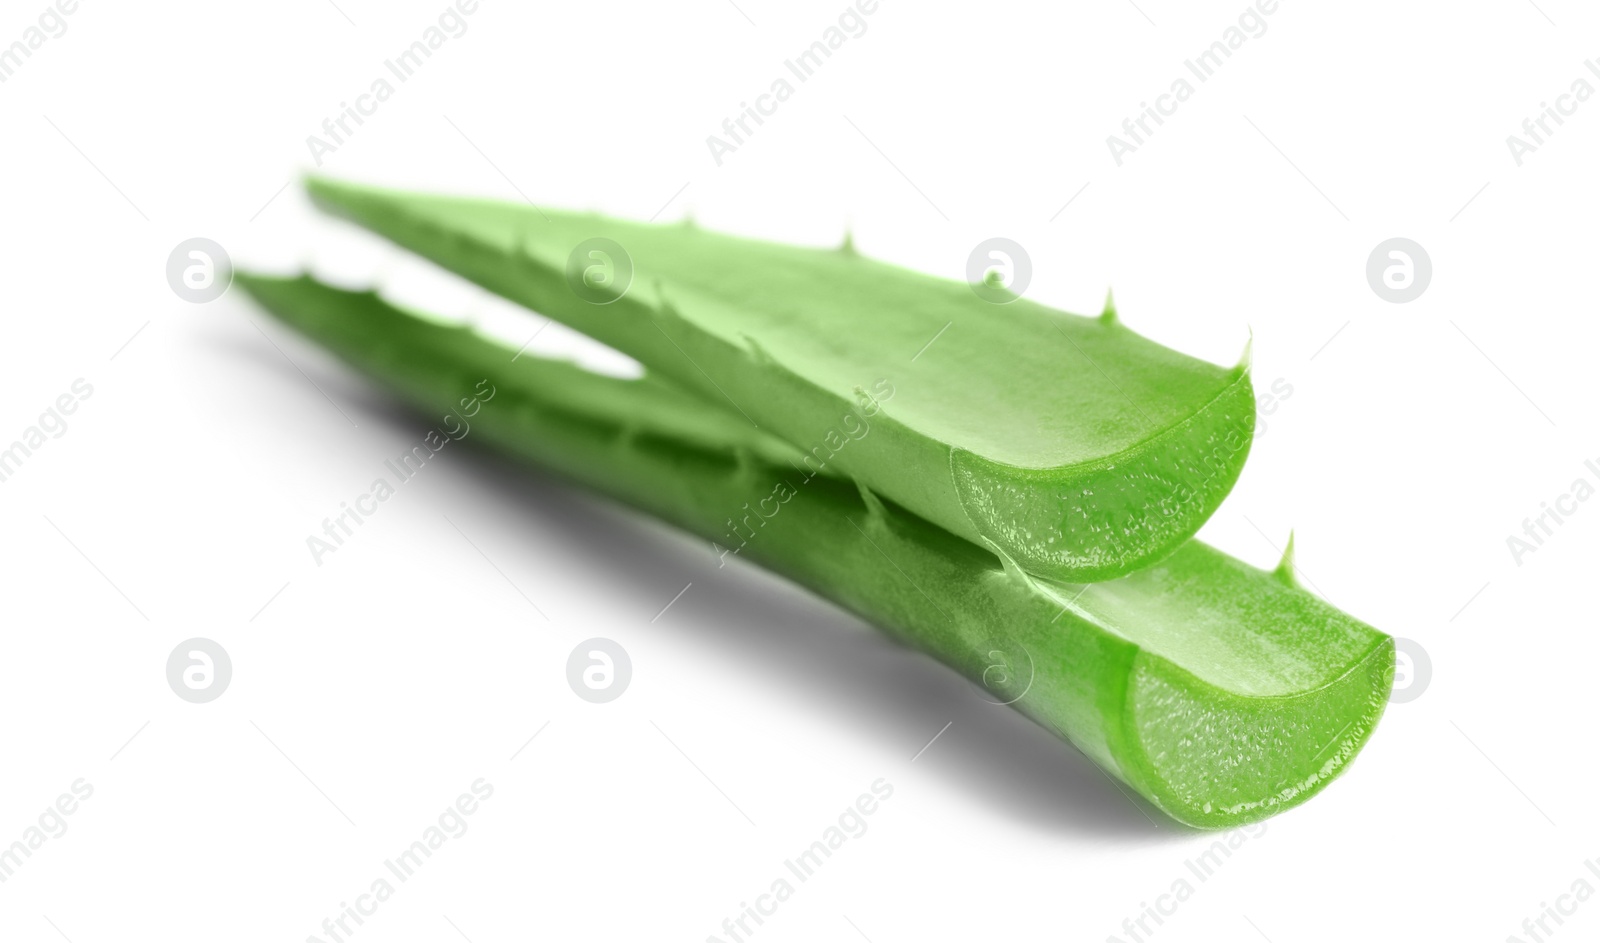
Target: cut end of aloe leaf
[1212, 760]
[1248, 694]
[1104, 519]
[1079, 447]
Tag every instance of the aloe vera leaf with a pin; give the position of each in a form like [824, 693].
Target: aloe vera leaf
[1078, 448]
[1219, 692]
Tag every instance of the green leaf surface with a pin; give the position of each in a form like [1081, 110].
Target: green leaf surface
[1219, 692]
[1073, 445]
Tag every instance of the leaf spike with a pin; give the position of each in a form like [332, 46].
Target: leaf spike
[995, 282]
[663, 307]
[757, 352]
[848, 246]
[1246, 359]
[745, 463]
[1008, 563]
[1285, 571]
[876, 513]
[1108, 314]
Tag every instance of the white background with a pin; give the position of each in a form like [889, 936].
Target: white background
[369, 692]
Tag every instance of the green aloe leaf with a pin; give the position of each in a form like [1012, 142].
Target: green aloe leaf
[1220, 692]
[1070, 444]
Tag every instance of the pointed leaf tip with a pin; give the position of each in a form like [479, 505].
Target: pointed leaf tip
[754, 348]
[1246, 359]
[876, 512]
[1008, 564]
[1108, 314]
[848, 246]
[664, 308]
[1285, 571]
